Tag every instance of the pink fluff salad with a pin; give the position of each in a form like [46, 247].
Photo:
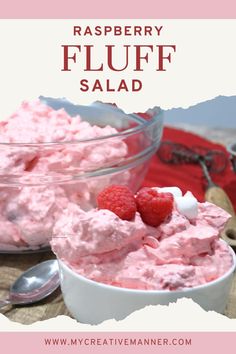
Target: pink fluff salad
[28, 213]
[180, 253]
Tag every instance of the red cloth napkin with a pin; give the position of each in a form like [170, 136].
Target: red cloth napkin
[189, 176]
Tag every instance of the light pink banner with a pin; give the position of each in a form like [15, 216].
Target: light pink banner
[119, 9]
[138, 343]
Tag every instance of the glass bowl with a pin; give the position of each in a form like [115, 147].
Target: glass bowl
[31, 201]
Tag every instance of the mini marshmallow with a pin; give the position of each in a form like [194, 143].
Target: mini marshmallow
[175, 191]
[187, 205]
[189, 194]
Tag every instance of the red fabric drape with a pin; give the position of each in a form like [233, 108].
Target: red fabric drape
[186, 176]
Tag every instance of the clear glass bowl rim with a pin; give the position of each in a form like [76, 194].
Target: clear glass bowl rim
[144, 124]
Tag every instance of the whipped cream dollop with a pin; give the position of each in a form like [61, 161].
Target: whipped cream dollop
[184, 251]
[28, 213]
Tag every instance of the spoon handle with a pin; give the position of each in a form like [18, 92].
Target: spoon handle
[217, 196]
[4, 302]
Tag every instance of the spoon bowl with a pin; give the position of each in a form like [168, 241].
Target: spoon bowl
[34, 285]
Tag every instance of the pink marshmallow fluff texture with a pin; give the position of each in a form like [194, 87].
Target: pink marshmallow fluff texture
[183, 252]
[38, 141]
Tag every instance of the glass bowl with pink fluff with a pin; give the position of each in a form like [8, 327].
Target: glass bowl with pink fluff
[93, 302]
[54, 153]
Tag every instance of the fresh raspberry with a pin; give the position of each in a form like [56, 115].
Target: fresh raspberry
[154, 207]
[118, 199]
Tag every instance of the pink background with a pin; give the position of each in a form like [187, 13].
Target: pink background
[211, 342]
[119, 9]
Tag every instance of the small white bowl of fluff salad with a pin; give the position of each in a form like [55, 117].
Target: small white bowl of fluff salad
[150, 248]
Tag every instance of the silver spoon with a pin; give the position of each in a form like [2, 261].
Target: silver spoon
[34, 285]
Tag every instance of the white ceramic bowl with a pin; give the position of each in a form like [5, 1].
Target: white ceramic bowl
[92, 302]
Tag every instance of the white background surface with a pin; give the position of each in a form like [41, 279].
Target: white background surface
[202, 68]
